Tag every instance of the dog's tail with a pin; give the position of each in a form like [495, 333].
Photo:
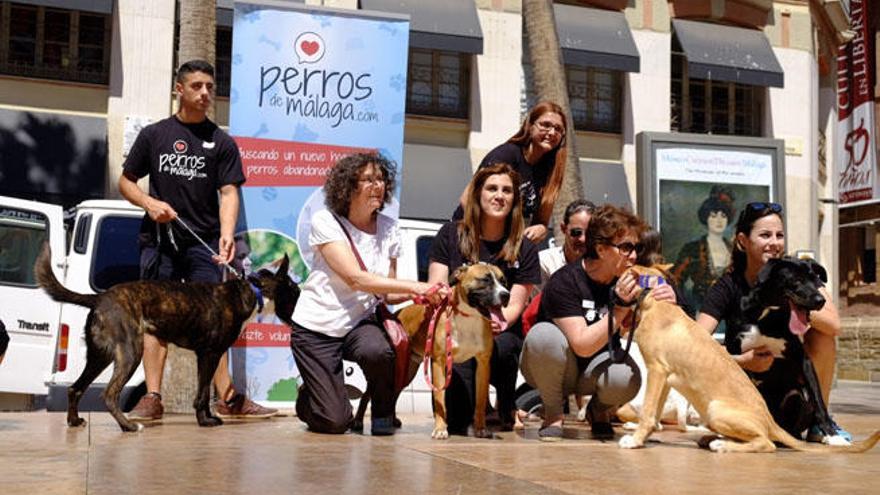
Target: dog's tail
[780, 435]
[46, 279]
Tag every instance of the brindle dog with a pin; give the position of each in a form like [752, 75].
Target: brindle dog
[206, 318]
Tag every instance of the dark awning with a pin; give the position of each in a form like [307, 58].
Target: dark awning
[437, 24]
[595, 38]
[728, 53]
[433, 179]
[97, 6]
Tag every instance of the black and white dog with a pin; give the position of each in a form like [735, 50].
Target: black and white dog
[776, 313]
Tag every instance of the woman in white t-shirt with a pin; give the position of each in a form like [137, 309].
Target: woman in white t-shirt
[334, 318]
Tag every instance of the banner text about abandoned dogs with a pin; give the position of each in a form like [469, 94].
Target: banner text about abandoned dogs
[269, 162]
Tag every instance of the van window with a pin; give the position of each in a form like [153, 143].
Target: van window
[117, 255]
[22, 233]
[423, 247]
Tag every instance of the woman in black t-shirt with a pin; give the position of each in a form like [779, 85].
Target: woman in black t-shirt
[565, 353]
[492, 232]
[760, 236]
[537, 153]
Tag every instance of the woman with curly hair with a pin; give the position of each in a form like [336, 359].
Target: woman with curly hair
[702, 261]
[537, 153]
[334, 317]
[491, 231]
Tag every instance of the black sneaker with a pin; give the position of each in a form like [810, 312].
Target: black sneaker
[602, 431]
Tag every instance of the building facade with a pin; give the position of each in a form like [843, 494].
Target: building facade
[83, 75]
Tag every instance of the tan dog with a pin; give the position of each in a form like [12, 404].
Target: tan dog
[478, 294]
[681, 354]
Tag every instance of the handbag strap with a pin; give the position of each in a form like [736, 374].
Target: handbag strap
[354, 248]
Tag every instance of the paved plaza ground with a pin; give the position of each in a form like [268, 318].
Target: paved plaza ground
[40, 455]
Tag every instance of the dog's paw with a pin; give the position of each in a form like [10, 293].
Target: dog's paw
[629, 442]
[630, 426]
[74, 423]
[718, 445]
[440, 434]
[210, 421]
[357, 426]
[483, 433]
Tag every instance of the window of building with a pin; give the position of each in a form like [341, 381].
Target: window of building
[50, 43]
[713, 107]
[223, 65]
[595, 96]
[438, 83]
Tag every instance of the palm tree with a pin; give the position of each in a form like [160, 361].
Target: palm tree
[198, 24]
[545, 55]
[198, 33]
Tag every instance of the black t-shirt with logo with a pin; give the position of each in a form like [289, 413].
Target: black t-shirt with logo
[525, 271]
[187, 165]
[570, 292]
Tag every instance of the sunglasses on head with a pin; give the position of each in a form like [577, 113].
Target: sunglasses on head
[759, 206]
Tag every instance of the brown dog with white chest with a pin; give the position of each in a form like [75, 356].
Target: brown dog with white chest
[679, 353]
[474, 305]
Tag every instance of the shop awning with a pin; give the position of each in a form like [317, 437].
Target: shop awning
[437, 25]
[595, 38]
[96, 6]
[433, 179]
[728, 53]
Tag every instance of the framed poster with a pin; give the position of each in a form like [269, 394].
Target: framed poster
[692, 188]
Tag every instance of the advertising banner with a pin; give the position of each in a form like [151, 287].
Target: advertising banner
[855, 154]
[309, 86]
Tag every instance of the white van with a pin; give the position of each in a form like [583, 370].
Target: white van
[47, 346]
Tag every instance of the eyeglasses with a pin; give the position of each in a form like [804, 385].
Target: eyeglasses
[372, 180]
[546, 126]
[626, 248]
[576, 232]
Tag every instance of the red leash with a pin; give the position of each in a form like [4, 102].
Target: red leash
[429, 342]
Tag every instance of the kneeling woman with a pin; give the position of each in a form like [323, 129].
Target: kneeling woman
[356, 251]
[491, 231]
[565, 353]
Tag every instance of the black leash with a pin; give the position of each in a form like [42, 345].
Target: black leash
[615, 350]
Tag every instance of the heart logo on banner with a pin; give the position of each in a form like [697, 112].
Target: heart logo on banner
[309, 47]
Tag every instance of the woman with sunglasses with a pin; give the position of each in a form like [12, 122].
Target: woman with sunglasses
[565, 353]
[491, 232]
[537, 153]
[760, 236]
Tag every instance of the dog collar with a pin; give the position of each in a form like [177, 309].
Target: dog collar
[259, 294]
[645, 280]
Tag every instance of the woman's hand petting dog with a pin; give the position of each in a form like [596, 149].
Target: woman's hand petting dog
[757, 360]
[663, 292]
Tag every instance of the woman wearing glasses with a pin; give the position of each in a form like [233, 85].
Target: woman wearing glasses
[760, 236]
[537, 153]
[491, 232]
[565, 353]
[356, 250]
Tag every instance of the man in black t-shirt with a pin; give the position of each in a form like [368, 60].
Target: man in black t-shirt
[195, 172]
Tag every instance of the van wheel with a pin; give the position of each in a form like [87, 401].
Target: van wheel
[128, 402]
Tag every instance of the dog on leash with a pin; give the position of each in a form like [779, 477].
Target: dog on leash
[679, 353]
[478, 294]
[776, 314]
[206, 318]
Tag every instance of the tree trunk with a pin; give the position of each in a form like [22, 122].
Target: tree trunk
[545, 56]
[198, 20]
[198, 33]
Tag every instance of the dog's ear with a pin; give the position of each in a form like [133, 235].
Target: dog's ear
[455, 276]
[817, 269]
[285, 266]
